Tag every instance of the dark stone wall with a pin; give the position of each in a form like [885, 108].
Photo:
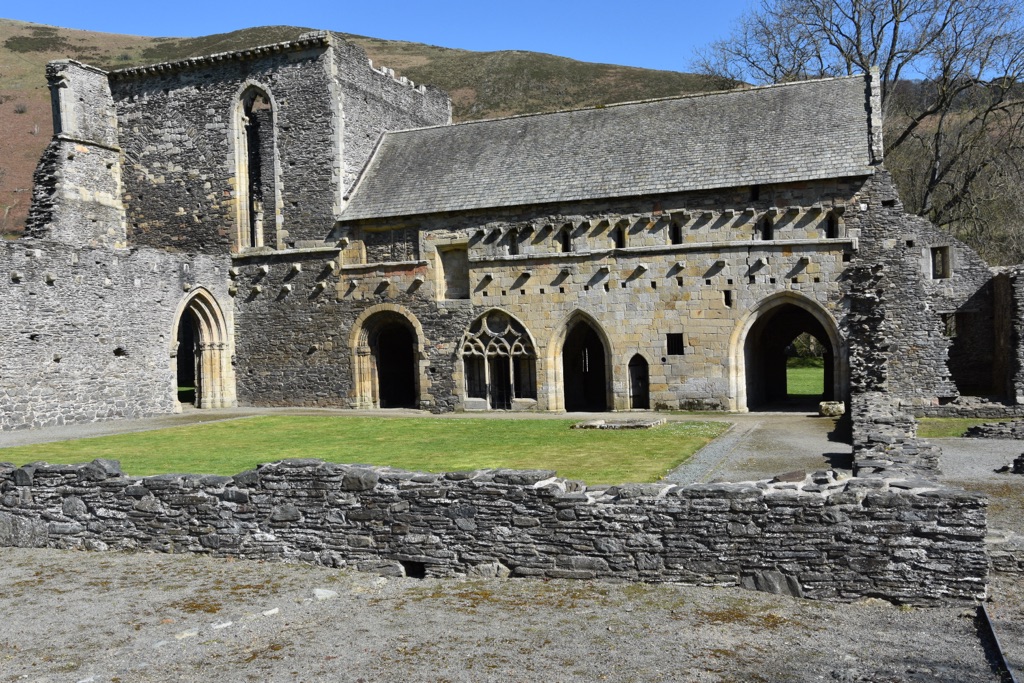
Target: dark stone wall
[925, 365]
[177, 133]
[177, 128]
[907, 541]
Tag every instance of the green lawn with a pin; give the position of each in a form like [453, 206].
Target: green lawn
[942, 427]
[805, 381]
[422, 444]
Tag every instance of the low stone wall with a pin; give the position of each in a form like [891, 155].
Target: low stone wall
[901, 538]
[981, 410]
[997, 430]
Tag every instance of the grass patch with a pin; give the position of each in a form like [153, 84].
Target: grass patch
[947, 427]
[420, 444]
[805, 381]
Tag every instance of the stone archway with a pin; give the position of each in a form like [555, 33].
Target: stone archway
[758, 367]
[201, 352]
[386, 350]
[585, 376]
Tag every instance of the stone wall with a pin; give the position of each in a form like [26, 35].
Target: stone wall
[821, 537]
[179, 127]
[87, 332]
[704, 288]
[940, 330]
[76, 194]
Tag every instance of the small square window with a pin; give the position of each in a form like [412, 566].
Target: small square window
[676, 347]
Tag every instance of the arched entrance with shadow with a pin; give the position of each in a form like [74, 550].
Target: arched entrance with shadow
[639, 383]
[201, 353]
[759, 357]
[584, 369]
[386, 351]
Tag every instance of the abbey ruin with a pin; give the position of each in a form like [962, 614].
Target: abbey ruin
[291, 226]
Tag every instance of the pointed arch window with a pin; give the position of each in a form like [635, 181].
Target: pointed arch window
[255, 168]
[499, 360]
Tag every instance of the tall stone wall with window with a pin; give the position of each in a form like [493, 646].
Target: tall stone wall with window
[939, 298]
[181, 135]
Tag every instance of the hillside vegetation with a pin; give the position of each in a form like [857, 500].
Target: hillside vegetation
[482, 84]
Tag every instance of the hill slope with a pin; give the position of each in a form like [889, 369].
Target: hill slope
[482, 84]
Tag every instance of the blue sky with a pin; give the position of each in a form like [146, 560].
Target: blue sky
[657, 34]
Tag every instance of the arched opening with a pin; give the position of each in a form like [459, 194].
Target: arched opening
[584, 372]
[189, 366]
[386, 354]
[639, 383]
[202, 353]
[393, 345]
[255, 167]
[499, 362]
[767, 348]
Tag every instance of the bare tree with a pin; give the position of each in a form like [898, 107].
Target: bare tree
[950, 74]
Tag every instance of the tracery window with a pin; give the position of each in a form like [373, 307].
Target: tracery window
[499, 360]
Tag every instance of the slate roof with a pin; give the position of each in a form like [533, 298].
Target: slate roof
[775, 134]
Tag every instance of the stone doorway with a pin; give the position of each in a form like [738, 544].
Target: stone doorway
[189, 361]
[201, 354]
[639, 383]
[764, 356]
[393, 346]
[584, 371]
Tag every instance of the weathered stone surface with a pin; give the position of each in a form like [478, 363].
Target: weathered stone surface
[777, 536]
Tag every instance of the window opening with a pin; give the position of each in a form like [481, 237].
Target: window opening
[499, 361]
[674, 341]
[619, 237]
[767, 228]
[675, 233]
[832, 226]
[941, 267]
[255, 169]
[513, 242]
[565, 239]
[949, 324]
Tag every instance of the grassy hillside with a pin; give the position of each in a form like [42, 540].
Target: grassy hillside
[482, 84]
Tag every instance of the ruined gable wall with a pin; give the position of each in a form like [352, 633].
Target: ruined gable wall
[76, 195]
[177, 134]
[920, 354]
[637, 294]
[374, 101]
[87, 332]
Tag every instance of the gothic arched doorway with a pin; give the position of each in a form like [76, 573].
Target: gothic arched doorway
[393, 345]
[639, 383]
[767, 346]
[386, 344]
[584, 372]
[202, 353]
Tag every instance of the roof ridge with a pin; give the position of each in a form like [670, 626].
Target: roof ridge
[596, 107]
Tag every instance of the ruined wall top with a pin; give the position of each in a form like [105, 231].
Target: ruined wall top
[306, 41]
